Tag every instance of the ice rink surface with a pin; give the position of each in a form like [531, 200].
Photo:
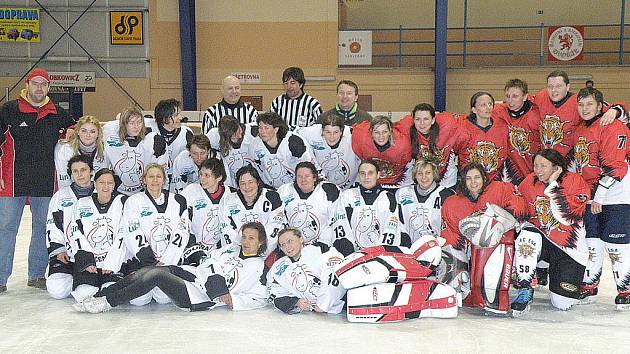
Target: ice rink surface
[32, 322]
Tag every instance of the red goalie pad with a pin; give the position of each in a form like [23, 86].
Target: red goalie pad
[398, 302]
[379, 264]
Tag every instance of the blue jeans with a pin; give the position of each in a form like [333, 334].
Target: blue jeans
[11, 209]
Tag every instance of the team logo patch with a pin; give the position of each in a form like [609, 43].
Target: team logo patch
[581, 154]
[524, 250]
[519, 139]
[551, 133]
[568, 287]
[543, 211]
[614, 257]
[486, 154]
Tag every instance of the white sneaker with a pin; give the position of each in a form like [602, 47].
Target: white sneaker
[96, 304]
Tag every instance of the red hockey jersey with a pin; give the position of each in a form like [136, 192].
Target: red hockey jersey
[489, 148]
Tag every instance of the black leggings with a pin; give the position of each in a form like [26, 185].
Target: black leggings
[142, 281]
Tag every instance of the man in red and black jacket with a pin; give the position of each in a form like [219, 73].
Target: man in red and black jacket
[29, 129]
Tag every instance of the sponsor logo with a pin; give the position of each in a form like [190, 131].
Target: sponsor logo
[568, 287]
[281, 269]
[145, 213]
[365, 269]
[85, 214]
[617, 235]
[375, 294]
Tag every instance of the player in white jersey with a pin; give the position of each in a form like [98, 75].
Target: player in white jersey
[158, 229]
[366, 215]
[87, 140]
[168, 117]
[130, 148]
[232, 276]
[331, 143]
[204, 199]
[276, 151]
[232, 139]
[97, 218]
[304, 279]
[420, 204]
[186, 166]
[252, 202]
[309, 204]
[59, 227]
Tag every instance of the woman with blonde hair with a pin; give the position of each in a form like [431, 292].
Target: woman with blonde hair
[87, 140]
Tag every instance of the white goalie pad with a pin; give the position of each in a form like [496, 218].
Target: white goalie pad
[485, 230]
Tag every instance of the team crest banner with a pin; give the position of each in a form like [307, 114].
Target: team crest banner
[566, 43]
[19, 25]
[355, 47]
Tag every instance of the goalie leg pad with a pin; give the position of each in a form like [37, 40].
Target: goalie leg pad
[453, 270]
[427, 251]
[491, 272]
[528, 245]
[398, 302]
[379, 264]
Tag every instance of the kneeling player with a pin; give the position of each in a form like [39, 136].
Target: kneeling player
[97, 219]
[304, 279]
[231, 276]
[490, 267]
[556, 199]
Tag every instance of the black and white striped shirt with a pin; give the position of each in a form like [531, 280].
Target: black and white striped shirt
[244, 112]
[301, 111]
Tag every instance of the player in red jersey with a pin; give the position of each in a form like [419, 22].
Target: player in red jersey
[386, 144]
[488, 144]
[523, 120]
[602, 154]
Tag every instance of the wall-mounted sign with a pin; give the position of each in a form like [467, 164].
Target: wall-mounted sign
[247, 78]
[126, 27]
[355, 47]
[566, 43]
[19, 25]
[72, 81]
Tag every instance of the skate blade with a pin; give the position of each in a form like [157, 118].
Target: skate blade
[588, 300]
[517, 314]
[623, 307]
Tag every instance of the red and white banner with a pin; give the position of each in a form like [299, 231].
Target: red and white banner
[566, 43]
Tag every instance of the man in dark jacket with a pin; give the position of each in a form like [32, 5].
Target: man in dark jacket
[347, 107]
[29, 129]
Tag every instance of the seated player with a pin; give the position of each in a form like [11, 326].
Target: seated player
[231, 277]
[556, 200]
[97, 219]
[489, 265]
[366, 215]
[304, 279]
[186, 165]
[601, 154]
[309, 204]
[420, 203]
[60, 225]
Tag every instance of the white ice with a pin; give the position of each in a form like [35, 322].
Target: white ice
[30, 321]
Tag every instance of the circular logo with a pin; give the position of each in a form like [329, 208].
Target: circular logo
[566, 43]
[355, 47]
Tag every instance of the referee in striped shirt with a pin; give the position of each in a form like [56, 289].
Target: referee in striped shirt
[296, 107]
[231, 105]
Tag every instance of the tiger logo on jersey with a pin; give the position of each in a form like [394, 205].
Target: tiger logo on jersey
[519, 140]
[551, 133]
[486, 154]
[543, 211]
[425, 153]
[385, 168]
[581, 154]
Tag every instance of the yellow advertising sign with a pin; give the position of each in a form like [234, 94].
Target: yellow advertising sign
[19, 25]
[126, 27]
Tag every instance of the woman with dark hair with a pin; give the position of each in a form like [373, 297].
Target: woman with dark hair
[489, 265]
[253, 202]
[388, 146]
[366, 215]
[435, 137]
[331, 142]
[488, 143]
[186, 165]
[309, 204]
[232, 139]
[276, 151]
[231, 277]
[97, 218]
[304, 279]
[556, 200]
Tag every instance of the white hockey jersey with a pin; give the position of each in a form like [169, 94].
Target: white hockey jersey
[277, 166]
[128, 161]
[368, 221]
[175, 145]
[183, 172]
[312, 277]
[96, 228]
[268, 210]
[154, 233]
[207, 223]
[63, 154]
[339, 164]
[420, 215]
[238, 156]
[242, 275]
[59, 222]
[311, 213]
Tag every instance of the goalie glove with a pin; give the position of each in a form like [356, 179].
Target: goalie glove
[485, 230]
